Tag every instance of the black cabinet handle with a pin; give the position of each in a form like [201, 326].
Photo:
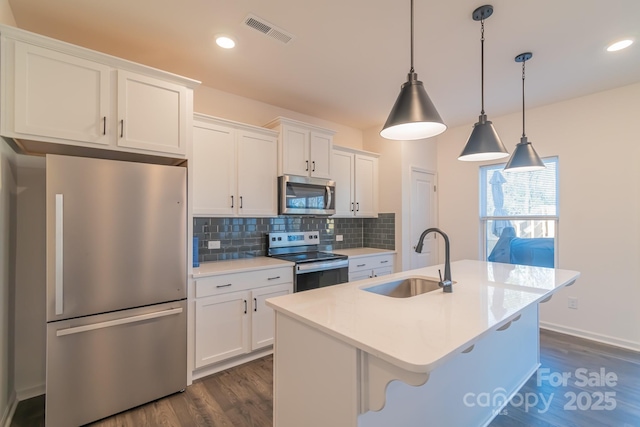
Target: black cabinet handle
[352, 206]
[231, 201]
[255, 304]
[358, 207]
[273, 278]
[361, 265]
[121, 128]
[240, 202]
[245, 306]
[104, 125]
[307, 168]
[313, 164]
[223, 286]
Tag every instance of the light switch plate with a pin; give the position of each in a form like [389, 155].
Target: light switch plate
[214, 244]
[338, 237]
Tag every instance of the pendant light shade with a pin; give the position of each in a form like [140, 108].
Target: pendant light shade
[524, 157]
[413, 116]
[484, 142]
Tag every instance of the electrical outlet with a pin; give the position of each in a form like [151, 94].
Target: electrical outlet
[573, 303]
[214, 244]
[338, 237]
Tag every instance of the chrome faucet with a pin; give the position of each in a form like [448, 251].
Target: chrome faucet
[447, 283]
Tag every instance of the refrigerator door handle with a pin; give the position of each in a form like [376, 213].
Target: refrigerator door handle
[59, 239]
[123, 321]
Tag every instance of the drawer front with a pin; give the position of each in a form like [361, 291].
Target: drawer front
[370, 262]
[232, 282]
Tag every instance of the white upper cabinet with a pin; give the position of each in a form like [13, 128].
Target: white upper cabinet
[60, 96]
[54, 92]
[214, 169]
[303, 149]
[356, 176]
[234, 169]
[151, 114]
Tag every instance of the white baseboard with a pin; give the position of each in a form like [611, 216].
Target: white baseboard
[28, 393]
[224, 365]
[11, 409]
[605, 339]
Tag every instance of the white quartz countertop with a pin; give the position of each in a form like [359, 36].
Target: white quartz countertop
[214, 268]
[421, 332]
[362, 252]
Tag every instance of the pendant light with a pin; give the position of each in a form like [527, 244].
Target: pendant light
[413, 116]
[484, 142]
[524, 157]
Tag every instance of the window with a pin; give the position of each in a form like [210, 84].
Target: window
[519, 214]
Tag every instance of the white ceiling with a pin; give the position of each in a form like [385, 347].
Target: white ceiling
[349, 57]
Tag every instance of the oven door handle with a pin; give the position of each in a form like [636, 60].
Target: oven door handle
[310, 267]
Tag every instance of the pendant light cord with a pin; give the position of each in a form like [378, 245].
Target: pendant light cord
[482, 65]
[412, 70]
[523, 132]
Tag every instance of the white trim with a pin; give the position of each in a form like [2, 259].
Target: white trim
[7, 417]
[230, 363]
[603, 339]
[512, 395]
[31, 392]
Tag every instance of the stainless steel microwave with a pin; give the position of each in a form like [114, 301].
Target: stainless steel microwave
[301, 195]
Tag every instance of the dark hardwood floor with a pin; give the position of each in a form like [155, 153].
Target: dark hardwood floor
[242, 396]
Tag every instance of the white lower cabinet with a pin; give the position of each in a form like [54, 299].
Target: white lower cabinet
[234, 319]
[221, 327]
[367, 267]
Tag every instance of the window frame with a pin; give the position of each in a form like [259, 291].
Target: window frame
[484, 220]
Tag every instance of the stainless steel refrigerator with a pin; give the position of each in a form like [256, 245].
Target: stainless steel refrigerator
[116, 286]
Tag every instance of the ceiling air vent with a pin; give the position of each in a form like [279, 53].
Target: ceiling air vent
[268, 29]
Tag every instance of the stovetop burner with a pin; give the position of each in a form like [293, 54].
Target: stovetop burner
[309, 257]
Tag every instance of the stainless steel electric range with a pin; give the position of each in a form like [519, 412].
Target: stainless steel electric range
[313, 268]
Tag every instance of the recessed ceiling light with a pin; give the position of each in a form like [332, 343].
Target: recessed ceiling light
[619, 45]
[225, 42]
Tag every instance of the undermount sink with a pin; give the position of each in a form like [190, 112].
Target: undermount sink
[405, 288]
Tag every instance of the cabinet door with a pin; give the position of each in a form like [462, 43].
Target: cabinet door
[221, 327]
[295, 151]
[61, 96]
[214, 170]
[360, 275]
[263, 317]
[257, 174]
[382, 271]
[152, 114]
[320, 155]
[343, 174]
[366, 185]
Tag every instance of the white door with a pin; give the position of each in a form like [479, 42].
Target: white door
[343, 174]
[61, 96]
[257, 174]
[366, 185]
[263, 318]
[152, 114]
[295, 151]
[422, 217]
[222, 327]
[320, 155]
[214, 170]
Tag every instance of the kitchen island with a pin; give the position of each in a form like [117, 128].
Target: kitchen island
[348, 357]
